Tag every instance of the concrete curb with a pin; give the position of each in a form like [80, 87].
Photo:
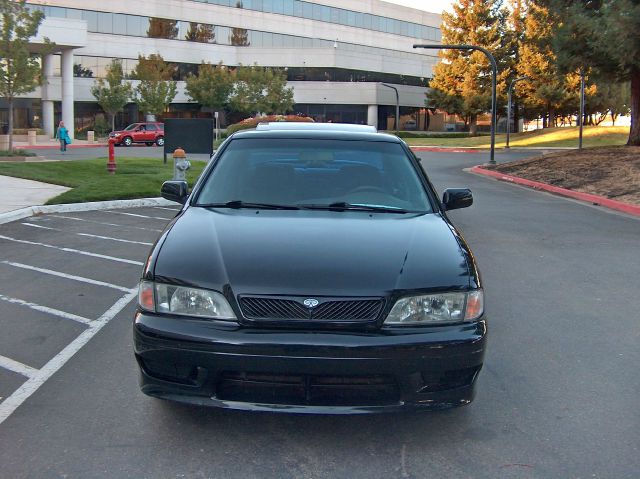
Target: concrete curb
[69, 147]
[73, 207]
[449, 149]
[576, 195]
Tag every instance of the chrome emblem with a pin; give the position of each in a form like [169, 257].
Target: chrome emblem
[311, 303]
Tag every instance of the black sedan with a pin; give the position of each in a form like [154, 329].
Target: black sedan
[311, 269]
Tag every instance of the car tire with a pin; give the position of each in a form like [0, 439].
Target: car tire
[127, 141]
[149, 143]
[160, 141]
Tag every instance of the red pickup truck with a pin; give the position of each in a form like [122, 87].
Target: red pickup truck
[148, 133]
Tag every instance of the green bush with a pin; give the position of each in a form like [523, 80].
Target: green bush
[23, 131]
[6, 153]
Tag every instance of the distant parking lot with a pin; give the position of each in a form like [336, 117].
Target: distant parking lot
[63, 277]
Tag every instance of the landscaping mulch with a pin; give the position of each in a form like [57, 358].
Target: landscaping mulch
[612, 172]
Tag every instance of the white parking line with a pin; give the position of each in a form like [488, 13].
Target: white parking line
[103, 223]
[109, 238]
[137, 216]
[16, 367]
[65, 275]
[46, 309]
[20, 395]
[71, 250]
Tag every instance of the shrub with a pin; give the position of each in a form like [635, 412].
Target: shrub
[16, 153]
[249, 123]
[23, 131]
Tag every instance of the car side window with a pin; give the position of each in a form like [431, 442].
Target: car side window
[151, 127]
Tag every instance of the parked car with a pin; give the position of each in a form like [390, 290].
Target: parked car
[410, 125]
[148, 133]
[311, 269]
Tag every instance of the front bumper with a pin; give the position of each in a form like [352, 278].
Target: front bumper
[338, 372]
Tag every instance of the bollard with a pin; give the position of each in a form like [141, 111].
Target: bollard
[180, 165]
[32, 136]
[111, 164]
[91, 136]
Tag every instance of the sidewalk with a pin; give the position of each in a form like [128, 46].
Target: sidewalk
[16, 193]
[23, 145]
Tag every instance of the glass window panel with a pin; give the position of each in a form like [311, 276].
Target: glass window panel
[92, 20]
[404, 28]
[119, 24]
[315, 12]
[223, 37]
[73, 13]
[289, 41]
[288, 7]
[351, 19]
[57, 12]
[307, 10]
[258, 5]
[267, 6]
[278, 6]
[375, 23]
[360, 20]
[298, 42]
[342, 17]
[134, 27]
[267, 39]
[438, 35]
[411, 29]
[105, 22]
[247, 4]
[307, 42]
[297, 8]
[335, 14]
[277, 40]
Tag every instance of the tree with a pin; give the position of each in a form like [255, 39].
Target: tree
[463, 79]
[260, 90]
[111, 92]
[613, 52]
[19, 70]
[212, 86]
[545, 90]
[162, 28]
[82, 72]
[156, 90]
[201, 33]
[239, 36]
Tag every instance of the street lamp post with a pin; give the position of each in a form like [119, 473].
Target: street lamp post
[581, 120]
[513, 82]
[397, 105]
[494, 70]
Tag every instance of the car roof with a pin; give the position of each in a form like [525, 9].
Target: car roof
[319, 131]
[299, 125]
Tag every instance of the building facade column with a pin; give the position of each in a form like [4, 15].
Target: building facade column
[47, 101]
[372, 116]
[68, 114]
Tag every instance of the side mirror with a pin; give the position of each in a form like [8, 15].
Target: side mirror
[177, 191]
[454, 198]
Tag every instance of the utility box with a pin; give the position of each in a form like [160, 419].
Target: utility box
[193, 136]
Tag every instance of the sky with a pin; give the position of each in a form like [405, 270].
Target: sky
[435, 6]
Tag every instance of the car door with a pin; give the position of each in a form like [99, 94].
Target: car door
[150, 133]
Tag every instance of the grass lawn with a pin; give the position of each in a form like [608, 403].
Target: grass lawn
[548, 137]
[134, 178]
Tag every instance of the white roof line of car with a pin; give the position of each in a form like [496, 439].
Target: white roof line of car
[291, 125]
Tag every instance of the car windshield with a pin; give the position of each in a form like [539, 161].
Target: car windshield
[315, 173]
[131, 127]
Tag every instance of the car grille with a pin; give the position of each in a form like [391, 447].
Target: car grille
[305, 389]
[261, 308]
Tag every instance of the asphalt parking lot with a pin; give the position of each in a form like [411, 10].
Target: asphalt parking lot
[558, 396]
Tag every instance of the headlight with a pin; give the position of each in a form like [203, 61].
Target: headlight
[116, 134]
[184, 301]
[437, 308]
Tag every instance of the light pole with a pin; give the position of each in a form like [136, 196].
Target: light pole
[581, 120]
[397, 105]
[494, 70]
[513, 82]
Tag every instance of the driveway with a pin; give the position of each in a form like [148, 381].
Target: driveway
[557, 398]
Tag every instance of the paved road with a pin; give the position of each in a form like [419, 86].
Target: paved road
[557, 397]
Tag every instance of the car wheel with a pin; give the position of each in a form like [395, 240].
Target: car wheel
[149, 143]
[160, 141]
[127, 141]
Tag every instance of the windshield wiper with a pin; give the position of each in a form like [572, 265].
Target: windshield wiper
[344, 206]
[237, 204]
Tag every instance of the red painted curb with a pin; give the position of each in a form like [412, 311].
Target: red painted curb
[577, 195]
[449, 150]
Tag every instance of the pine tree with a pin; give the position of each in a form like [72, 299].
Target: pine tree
[111, 92]
[19, 70]
[201, 33]
[162, 28]
[462, 80]
[602, 37]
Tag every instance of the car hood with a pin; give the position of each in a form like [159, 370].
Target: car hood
[317, 253]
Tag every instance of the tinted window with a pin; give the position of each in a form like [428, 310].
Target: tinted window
[319, 172]
[151, 127]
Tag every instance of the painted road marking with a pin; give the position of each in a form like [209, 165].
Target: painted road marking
[90, 235]
[20, 395]
[103, 223]
[65, 275]
[16, 367]
[71, 250]
[46, 309]
[137, 216]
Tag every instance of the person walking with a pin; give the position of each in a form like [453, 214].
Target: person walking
[62, 134]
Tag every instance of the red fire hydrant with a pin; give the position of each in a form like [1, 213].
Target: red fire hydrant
[111, 164]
